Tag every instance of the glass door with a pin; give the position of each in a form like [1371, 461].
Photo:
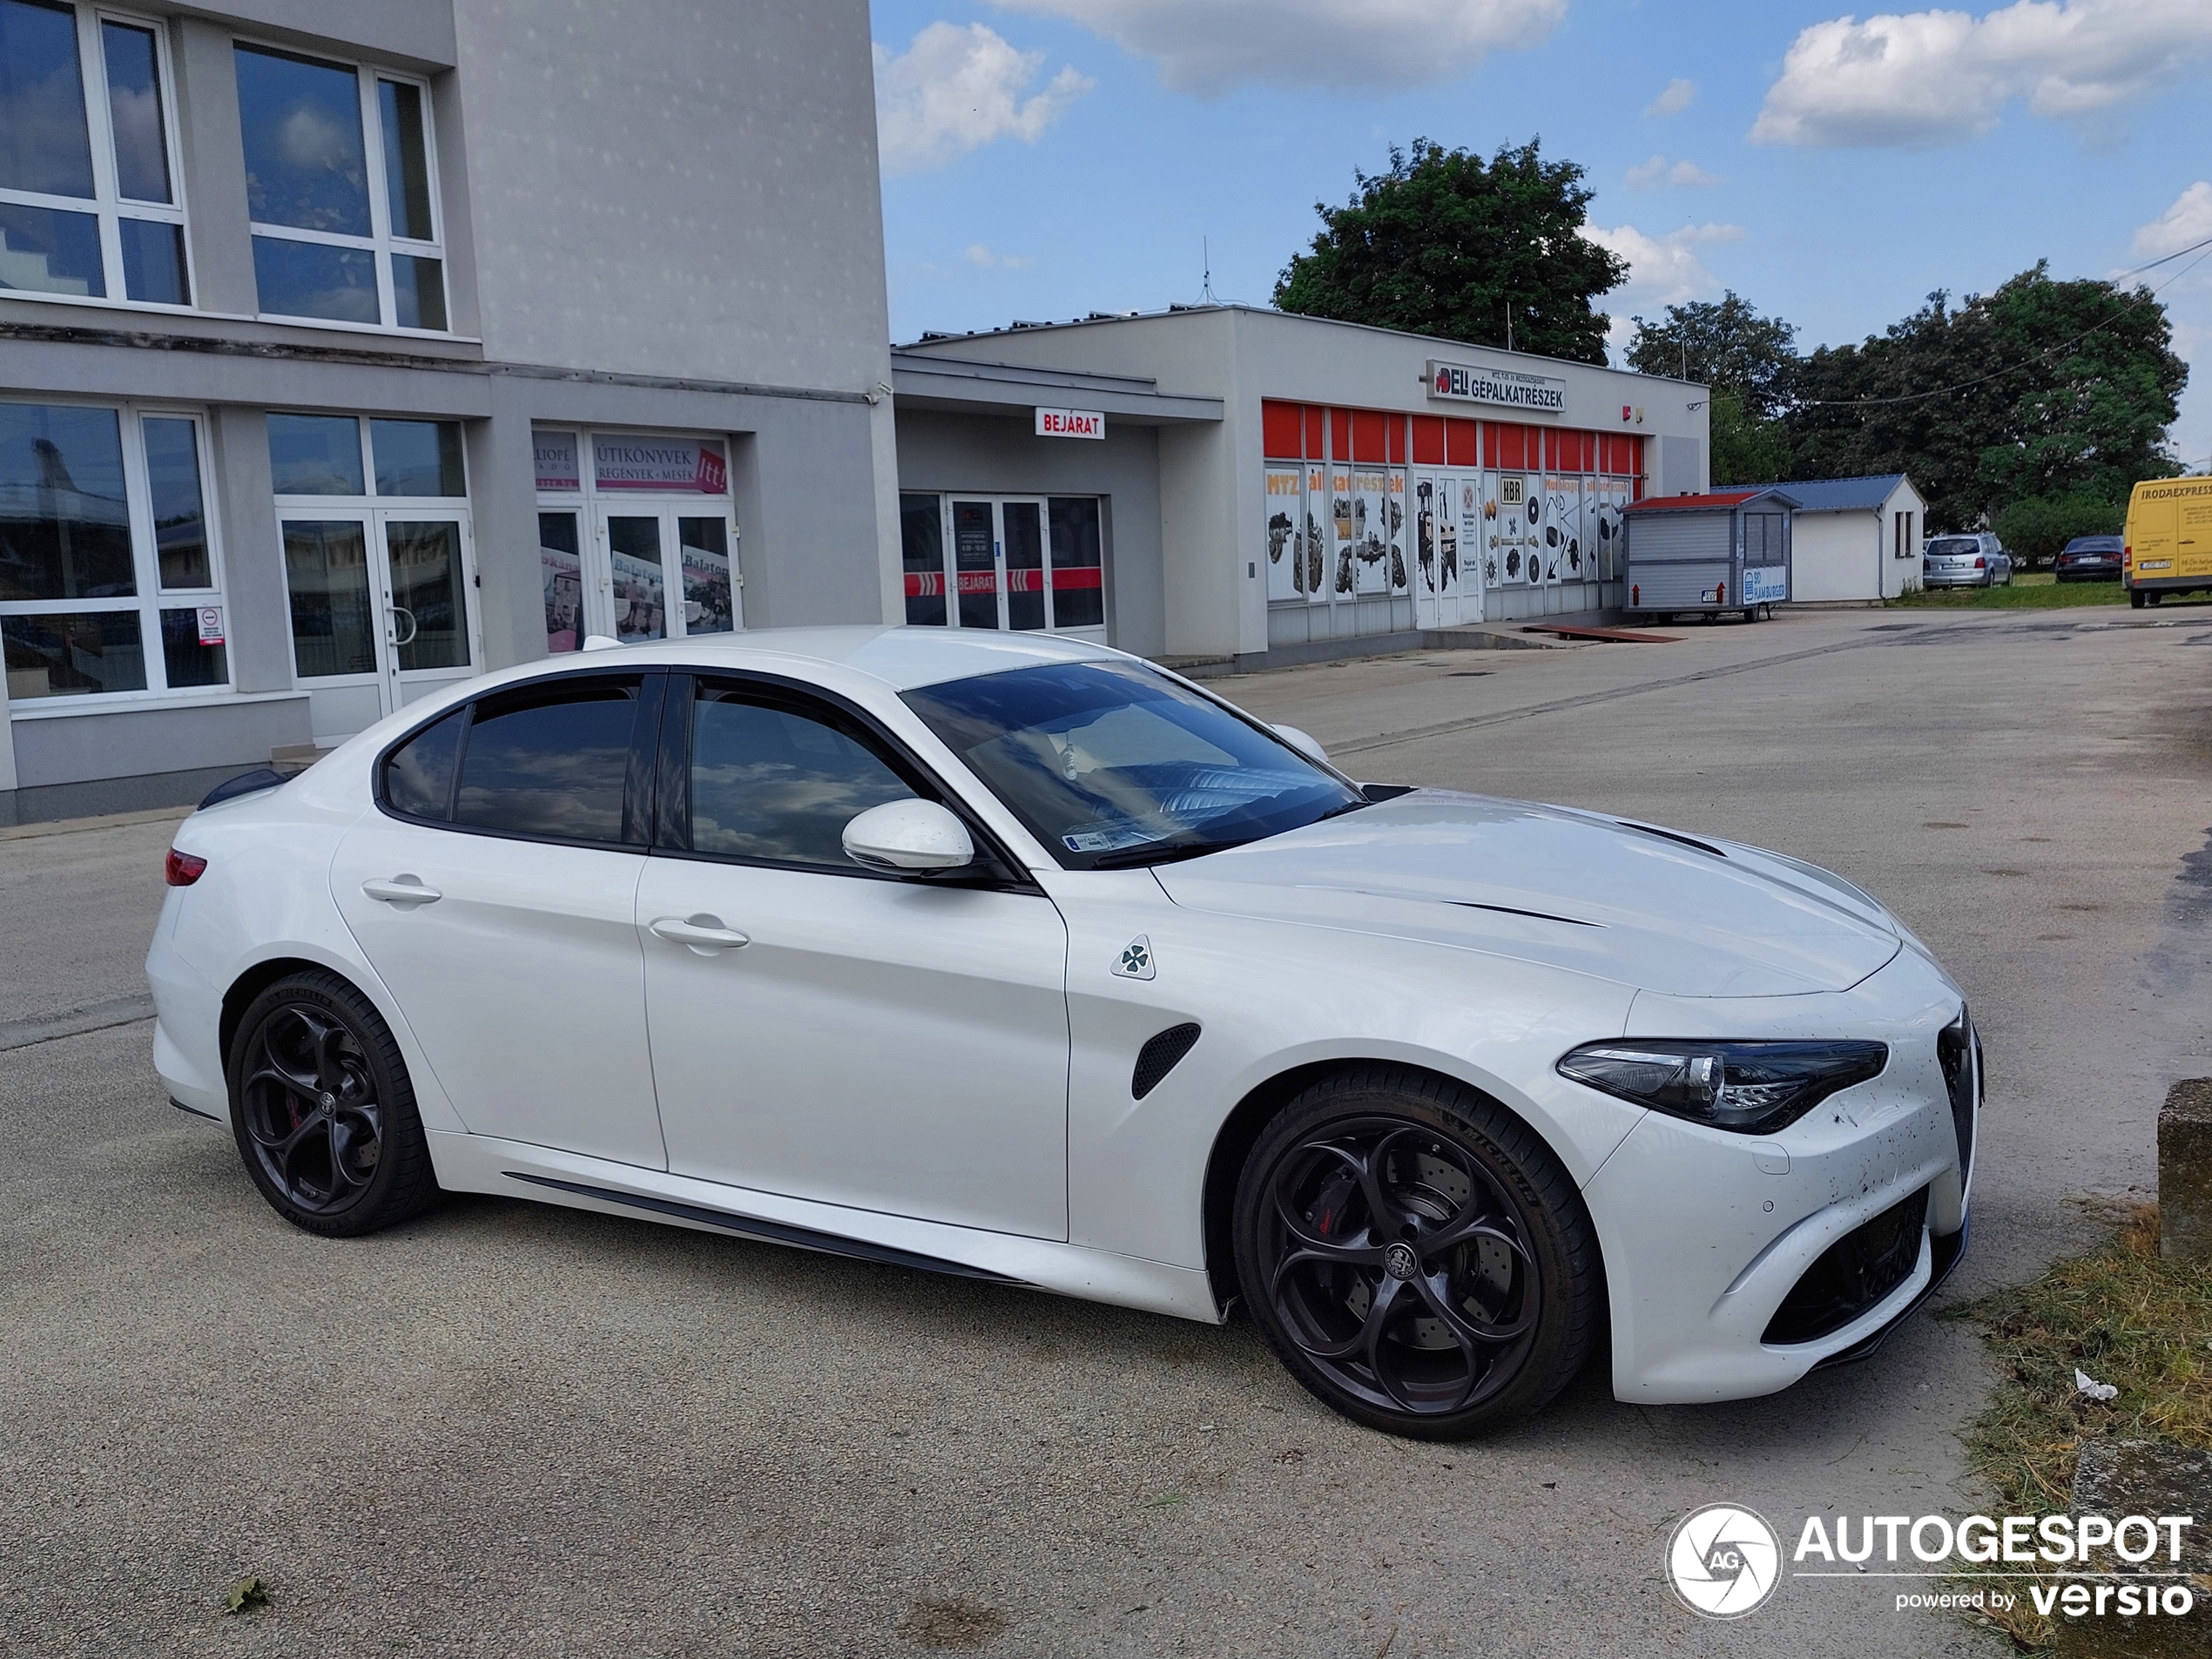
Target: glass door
[975, 564]
[667, 574]
[381, 610]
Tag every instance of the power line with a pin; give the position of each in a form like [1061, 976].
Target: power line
[2137, 297]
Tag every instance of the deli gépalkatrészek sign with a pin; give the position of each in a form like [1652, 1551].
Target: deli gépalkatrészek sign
[1461, 383]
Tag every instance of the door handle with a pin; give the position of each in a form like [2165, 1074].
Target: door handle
[405, 890]
[702, 935]
[412, 627]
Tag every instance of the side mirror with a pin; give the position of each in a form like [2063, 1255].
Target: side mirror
[909, 835]
[1304, 744]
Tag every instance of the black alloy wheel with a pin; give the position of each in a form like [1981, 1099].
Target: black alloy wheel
[1416, 1255]
[323, 1112]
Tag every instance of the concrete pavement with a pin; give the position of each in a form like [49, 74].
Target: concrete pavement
[512, 1429]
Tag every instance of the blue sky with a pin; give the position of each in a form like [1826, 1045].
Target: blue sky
[1048, 158]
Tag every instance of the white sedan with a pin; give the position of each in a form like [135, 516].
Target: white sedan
[1023, 960]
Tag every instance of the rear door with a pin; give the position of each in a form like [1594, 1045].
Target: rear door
[494, 890]
[2151, 538]
[830, 1032]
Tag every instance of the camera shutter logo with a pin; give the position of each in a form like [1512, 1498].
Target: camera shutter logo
[1723, 1561]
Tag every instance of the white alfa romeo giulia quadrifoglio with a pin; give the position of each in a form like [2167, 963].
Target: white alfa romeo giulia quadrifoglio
[1022, 959]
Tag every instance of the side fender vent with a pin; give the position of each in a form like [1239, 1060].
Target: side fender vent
[1160, 1056]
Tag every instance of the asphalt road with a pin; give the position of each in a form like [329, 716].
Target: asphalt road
[515, 1429]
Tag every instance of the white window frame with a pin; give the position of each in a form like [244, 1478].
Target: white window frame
[106, 202]
[380, 242]
[151, 597]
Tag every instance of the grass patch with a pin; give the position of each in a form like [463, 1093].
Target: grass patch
[2124, 1316]
[2031, 590]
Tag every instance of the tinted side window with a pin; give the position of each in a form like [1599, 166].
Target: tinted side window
[768, 782]
[418, 778]
[552, 760]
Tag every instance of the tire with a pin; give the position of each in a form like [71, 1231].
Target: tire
[2134, 599]
[323, 1112]
[1433, 1344]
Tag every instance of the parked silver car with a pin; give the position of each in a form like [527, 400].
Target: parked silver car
[1978, 560]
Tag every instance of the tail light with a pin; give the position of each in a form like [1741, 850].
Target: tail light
[1720, 594]
[2127, 557]
[1635, 593]
[182, 869]
[1981, 564]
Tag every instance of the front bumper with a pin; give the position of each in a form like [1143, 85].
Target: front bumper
[1707, 1233]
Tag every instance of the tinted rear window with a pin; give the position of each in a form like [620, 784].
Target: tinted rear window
[1950, 546]
[551, 761]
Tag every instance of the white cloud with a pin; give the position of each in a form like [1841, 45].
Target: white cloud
[1209, 47]
[1658, 173]
[1663, 270]
[2185, 223]
[980, 253]
[958, 88]
[1929, 77]
[1674, 99]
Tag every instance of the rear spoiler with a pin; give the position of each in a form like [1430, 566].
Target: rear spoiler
[246, 782]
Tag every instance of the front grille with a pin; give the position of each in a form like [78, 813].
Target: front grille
[1958, 1051]
[1853, 1274]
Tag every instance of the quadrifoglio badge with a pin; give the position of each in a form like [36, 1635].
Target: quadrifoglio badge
[1724, 1561]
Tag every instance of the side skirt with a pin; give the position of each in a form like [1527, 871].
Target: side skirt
[512, 1169]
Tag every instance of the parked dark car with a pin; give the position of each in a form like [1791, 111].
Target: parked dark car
[2089, 558]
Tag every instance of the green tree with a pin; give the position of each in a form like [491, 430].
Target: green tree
[1746, 450]
[1726, 345]
[1444, 244]
[2037, 527]
[2041, 390]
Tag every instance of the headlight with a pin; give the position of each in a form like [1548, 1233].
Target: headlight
[1752, 1088]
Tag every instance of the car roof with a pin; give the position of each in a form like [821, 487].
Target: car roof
[2095, 541]
[900, 658]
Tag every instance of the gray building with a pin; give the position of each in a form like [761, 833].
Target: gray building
[1233, 485]
[345, 350]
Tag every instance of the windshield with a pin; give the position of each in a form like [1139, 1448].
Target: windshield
[1112, 764]
[1951, 546]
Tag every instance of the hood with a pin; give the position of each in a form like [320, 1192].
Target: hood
[1672, 915]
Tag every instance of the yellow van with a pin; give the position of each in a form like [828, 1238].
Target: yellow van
[2169, 540]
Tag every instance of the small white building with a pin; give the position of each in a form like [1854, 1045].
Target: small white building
[1856, 538]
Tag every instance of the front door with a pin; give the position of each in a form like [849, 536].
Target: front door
[661, 573]
[834, 1033]
[382, 608]
[979, 594]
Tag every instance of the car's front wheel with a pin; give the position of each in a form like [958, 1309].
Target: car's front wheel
[1416, 1256]
[323, 1110]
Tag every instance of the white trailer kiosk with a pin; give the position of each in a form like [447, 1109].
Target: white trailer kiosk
[1726, 552]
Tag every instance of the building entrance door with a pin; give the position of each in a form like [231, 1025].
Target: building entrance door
[1441, 563]
[382, 608]
[645, 571]
[1020, 562]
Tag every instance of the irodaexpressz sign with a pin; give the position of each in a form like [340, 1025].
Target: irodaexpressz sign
[1459, 383]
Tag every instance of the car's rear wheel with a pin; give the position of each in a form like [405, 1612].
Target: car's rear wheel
[322, 1109]
[2134, 599]
[1416, 1256]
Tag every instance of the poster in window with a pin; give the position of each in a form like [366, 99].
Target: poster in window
[1507, 516]
[1313, 544]
[684, 466]
[563, 576]
[1428, 532]
[1612, 498]
[1466, 489]
[641, 604]
[1543, 531]
[1567, 510]
[708, 605]
[1343, 539]
[1394, 532]
[1371, 530]
[1284, 513]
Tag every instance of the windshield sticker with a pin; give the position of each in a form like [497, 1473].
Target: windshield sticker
[1107, 840]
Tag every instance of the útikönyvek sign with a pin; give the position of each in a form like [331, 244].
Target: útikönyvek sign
[1071, 423]
[1509, 388]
